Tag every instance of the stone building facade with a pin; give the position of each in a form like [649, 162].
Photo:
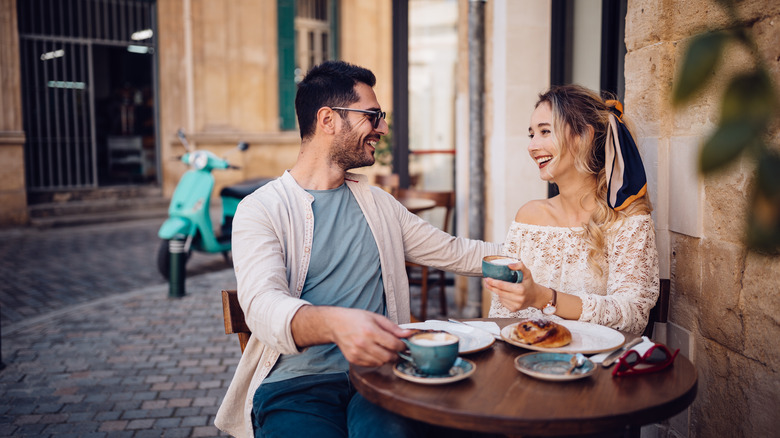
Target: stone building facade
[217, 74]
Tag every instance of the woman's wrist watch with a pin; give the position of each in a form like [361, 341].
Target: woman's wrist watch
[551, 308]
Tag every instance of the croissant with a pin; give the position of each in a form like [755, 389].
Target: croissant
[542, 333]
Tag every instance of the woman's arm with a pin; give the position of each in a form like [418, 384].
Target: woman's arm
[632, 285]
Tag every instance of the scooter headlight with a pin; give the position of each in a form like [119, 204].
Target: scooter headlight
[199, 160]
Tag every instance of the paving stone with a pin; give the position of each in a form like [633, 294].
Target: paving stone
[108, 426]
[145, 423]
[150, 433]
[167, 423]
[205, 431]
[107, 416]
[120, 434]
[179, 432]
[195, 421]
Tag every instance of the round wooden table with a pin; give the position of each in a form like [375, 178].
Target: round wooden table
[499, 399]
[417, 205]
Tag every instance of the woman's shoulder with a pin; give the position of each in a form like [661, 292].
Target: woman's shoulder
[536, 212]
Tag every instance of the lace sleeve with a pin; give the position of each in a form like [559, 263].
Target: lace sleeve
[632, 285]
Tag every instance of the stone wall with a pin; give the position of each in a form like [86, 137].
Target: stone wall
[725, 300]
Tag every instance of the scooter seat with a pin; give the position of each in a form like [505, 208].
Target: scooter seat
[244, 188]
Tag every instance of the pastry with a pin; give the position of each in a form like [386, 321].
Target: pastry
[542, 333]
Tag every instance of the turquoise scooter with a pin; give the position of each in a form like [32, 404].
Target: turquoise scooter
[189, 225]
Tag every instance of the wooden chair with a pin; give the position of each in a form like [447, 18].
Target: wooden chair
[234, 318]
[444, 200]
[659, 312]
[389, 183]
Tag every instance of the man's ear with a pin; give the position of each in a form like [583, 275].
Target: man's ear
[326, 120]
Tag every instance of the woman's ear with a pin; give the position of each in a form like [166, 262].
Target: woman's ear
[591, 133]
[326, 120]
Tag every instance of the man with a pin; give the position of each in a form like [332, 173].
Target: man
[319, 258]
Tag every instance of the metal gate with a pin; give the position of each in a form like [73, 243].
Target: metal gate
[59, 41]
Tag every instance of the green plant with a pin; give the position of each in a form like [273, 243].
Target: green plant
[383, 154]
[748, 117]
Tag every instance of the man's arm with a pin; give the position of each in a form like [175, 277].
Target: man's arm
[365, 338]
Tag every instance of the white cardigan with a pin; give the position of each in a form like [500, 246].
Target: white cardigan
[272, 237]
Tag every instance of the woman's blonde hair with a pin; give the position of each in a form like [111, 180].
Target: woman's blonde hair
[575, 109]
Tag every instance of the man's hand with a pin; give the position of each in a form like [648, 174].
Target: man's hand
[365, 338]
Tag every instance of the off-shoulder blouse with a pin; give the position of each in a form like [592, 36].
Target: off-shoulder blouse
[557, 257]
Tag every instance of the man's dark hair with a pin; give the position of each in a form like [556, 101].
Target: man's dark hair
[330, 84]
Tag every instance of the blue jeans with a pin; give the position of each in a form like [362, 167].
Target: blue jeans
[325, 406]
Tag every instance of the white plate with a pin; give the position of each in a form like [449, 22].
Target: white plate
[552, 366]
[586, 338]
[472, 339]
[462, 369]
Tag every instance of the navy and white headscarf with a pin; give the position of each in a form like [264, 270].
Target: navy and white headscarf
[626, 179]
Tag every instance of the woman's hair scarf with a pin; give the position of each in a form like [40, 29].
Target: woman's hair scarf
[626, 179]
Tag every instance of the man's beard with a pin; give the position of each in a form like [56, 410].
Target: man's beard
[349, 151]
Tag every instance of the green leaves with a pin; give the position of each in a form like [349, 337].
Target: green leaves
[701, 59]
[746, 110]
[763, 232]
[748, 107]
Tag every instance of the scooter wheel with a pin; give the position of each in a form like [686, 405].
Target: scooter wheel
[164, 259]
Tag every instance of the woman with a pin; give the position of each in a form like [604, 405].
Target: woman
[589, 253]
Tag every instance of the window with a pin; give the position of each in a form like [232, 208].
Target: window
[307, 37]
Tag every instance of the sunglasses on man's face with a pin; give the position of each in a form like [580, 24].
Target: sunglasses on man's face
[373, 116]
[656, 358]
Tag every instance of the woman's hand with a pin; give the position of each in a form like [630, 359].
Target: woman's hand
[518, 296]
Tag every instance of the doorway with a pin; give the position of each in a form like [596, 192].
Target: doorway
[88, 93]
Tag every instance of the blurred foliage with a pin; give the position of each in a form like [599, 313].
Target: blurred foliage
[383, 154]
[748, 109]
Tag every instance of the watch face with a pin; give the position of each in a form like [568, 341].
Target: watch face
[549, 309]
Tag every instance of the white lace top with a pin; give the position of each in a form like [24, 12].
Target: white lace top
[557, 257]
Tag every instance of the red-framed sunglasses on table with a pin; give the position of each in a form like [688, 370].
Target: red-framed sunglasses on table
[655, 358]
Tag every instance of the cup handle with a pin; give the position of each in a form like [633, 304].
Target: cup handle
[517, 276]
[403, 354]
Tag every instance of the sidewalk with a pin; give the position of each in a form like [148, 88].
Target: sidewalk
[136, 364]
[93, 346]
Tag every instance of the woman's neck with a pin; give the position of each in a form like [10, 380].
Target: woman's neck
[577, 200]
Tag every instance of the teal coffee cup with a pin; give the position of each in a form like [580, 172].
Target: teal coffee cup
[432, 352]
[497, 267]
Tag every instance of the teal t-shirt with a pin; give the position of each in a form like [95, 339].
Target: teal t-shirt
[343, 271]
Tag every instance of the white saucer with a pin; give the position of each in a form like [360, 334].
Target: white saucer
[472, 339]
[462, 369]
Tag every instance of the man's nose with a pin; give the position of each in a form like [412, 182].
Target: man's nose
[383, 127]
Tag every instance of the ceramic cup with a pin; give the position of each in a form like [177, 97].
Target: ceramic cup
[497, 267]
[432, 352]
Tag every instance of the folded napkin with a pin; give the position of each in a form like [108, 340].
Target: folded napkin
[644, 345]
[488, 326]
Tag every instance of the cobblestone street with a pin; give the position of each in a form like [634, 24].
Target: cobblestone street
[50, 269]
[92, 344]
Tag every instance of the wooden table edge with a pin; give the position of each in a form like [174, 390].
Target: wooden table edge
[476, 423]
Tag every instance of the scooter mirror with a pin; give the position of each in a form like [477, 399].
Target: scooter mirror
[243, 146]
[183, 139]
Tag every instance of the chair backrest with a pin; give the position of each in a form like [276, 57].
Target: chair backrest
[390, 183]
[234, 318]
[444, 199]
[660, 312]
